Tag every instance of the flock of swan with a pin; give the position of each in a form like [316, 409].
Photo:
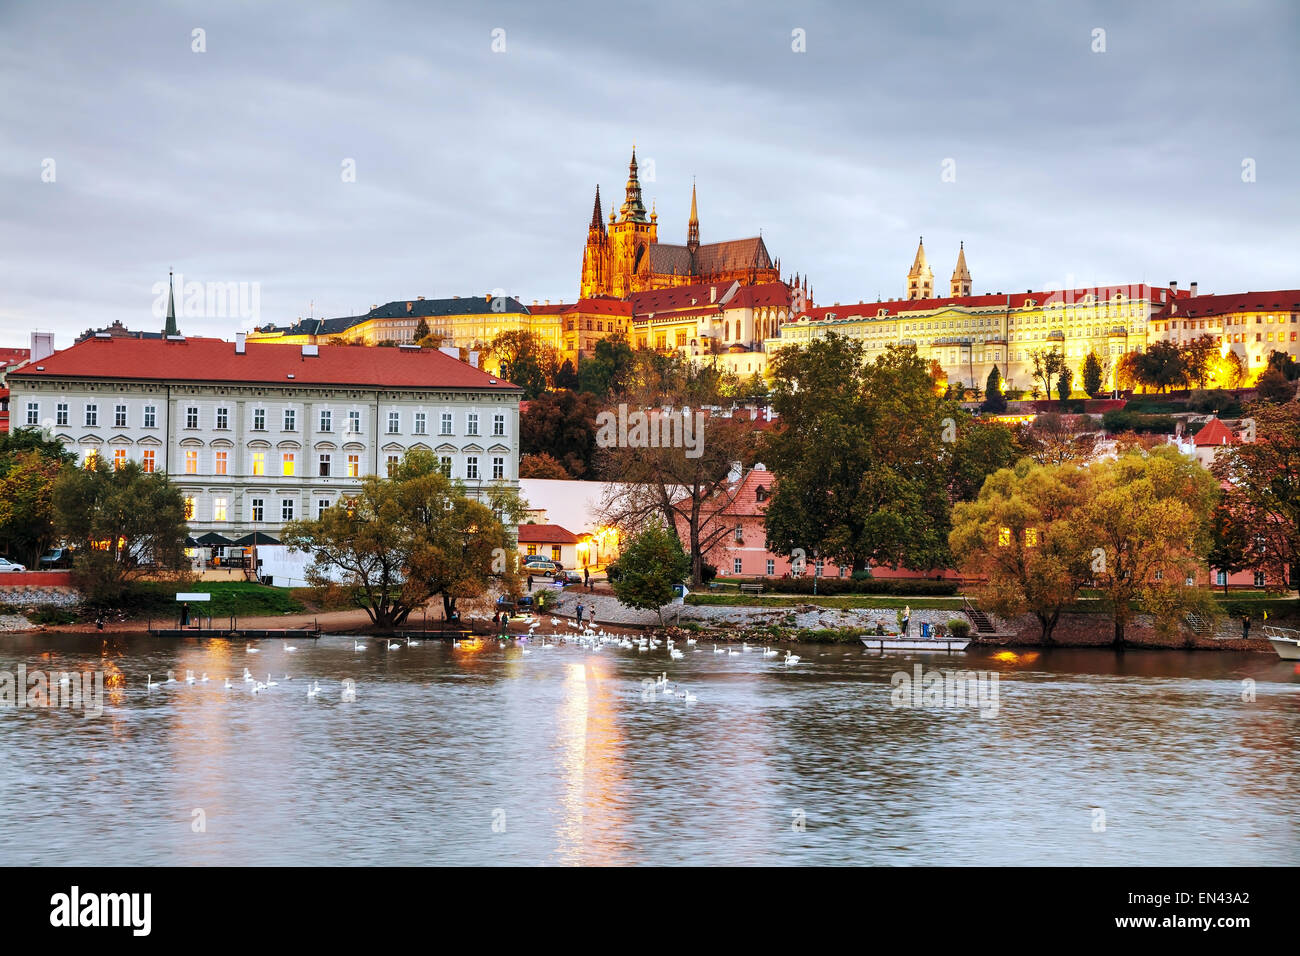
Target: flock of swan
[588, 637]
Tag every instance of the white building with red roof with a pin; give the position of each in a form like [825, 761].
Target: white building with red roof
[258, 434]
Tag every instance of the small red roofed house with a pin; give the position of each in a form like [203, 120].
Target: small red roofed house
[1213, 436]
[555, 542]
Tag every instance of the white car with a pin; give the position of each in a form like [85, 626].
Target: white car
[7, 565]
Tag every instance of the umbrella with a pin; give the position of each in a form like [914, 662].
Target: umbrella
[256, 538]
[213, 539]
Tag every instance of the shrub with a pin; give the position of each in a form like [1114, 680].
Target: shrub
[959, 627]
[52, 616]
[708, 572]
[909, 587]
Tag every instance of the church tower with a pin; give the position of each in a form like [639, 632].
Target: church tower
[920, 281]
[595, 259]
[961, 284]
[693, 226]
[630, 237]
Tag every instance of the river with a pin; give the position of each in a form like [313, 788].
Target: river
[489, 755]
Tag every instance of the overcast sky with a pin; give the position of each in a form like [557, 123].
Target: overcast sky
[475, 169]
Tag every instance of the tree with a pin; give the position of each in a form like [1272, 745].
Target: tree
[1198, 358]
[1064, 383]
[401, 540]
[994, 400]
[1262, 479]
[681, 484]
[982, 448]
[1285, 364]
[567, 376]
[1147, 518]
[1023, 537]
[123, 521]
[525, 360]
[1272, 386]
[1047, 365]
[421, 330]
[562, 425]
[541, 465]
[1092, 375]
[860, 457]
[1162, 366]
[609, 370]
[1056, 439]
[29, 463]
[1229, 544]
[651, 563]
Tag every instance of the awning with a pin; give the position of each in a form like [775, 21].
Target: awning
[213, 539]
[191, 543]
[256, 538]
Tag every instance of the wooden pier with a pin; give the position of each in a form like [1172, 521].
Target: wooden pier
[234, 632]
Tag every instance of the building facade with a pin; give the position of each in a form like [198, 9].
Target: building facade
[257, 435]
[1251, 324]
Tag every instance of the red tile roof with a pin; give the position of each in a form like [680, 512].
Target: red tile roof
[546, 534]
[1283, 300]
[1015, 300]
[13, 356]
[1214, 432]
[214, 360]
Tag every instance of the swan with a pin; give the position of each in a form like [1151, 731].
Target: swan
[394, 646]
[270, 683]
[791, 658]
[719, 650]
[690, 641]
[732, 651]
[290, 648]
[171, 678]
[189, 677]
[252, 650]
[676, 654]
[150, 683]
[228, 683]
[248, 677]
[411, 643]
[313, 690]
[746, 648]
[356, 646]
[349, 693]
[769, 652]
[691, 698]
[204, 678]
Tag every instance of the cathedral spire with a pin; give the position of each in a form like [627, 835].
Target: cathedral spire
[597, 220]
[961, 283]
[693, 225]
[170, 327]
[633, 209]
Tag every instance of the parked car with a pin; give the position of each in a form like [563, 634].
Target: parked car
[525, 603]
[56, 558]
[538, 565]
[7, 565]
[569, 577]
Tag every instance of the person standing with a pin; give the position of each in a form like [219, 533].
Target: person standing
[185, 614]
[580, 614]
[530, 584]
[907, 617]
[586, 578]
[1245, 627]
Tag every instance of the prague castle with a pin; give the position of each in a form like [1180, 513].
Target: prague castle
[625, 255]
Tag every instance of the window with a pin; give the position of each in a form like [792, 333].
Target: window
[259, 419]
[820, 566]
[33, 413]
[192, 417]
[421, 423]
[191, 462]
[530, 550]
[394, 422]
[444, 465]
[498, 424]
[119, 416]
[324, 466]
[771, 567]
[189, 508]
[92, 415]
[391, 463]
[259, 463]
[218, 509]
[219, 462]
[1004, 537]
[223, 418]
[446, 424]
[354, 466]
[147, 461]
[259, 509]
[286, 509]
[471, 466]
[326, 420]
[286, 464]
[471, 423]
[555, 552]
[1031, 537]
[119, 458]
[498, 468]
[740, 534]
[1259, 579]
[322, 505]
[354, 422]
[735, 566]
[760, 493]
[290, 419]
[61, 414]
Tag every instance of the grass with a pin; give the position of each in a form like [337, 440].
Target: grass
[840, 601]
[238, 598]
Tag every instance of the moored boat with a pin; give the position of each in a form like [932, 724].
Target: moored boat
[1285, 640]
[896, 642]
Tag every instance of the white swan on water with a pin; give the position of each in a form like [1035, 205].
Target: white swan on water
[313, 690]
[357, 646]
[791, 658]
[150, 683]
[290, 648]
[171, 678]
[270, 683]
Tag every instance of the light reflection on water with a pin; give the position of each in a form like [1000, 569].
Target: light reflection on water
[555, 757]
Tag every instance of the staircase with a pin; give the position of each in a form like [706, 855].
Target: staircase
[1199, 623]
[978, 619]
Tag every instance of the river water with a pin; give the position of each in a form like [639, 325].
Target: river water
[567, 756]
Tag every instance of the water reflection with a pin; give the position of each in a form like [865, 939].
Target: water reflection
[484, 754]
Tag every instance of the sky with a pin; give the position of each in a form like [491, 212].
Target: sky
[333, 156]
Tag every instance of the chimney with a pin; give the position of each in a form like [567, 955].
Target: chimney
[241, 339]
[1173, 284]
[713, 293]
[1193, 289]
[42, 345]
[473, 359]
[409, 306]
[419, 298]
[451, 351]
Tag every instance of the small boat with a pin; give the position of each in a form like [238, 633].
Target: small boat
[896, 642]
[1285, 640]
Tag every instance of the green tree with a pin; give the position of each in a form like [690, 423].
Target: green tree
[400, 541]
[1148, 516]
[525, 360]
[1023, 537]
[1229, 544]
[1092, 375]
[859, 457]
[609, 370]
[1262, 497]
[29, 462]
[1273, 386]
[1285, 364]
[982, 448]
[421, 330]
[651, 563]
[994, 400]
[124, 522]
[1198, 359]
[1048, 364]
[1063, 383]
[566, 376]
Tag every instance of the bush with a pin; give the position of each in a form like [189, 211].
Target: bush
[612, 572]
[959, 627]
[912, 587]
[708, 572]
[1122, 420]
[52, 616]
